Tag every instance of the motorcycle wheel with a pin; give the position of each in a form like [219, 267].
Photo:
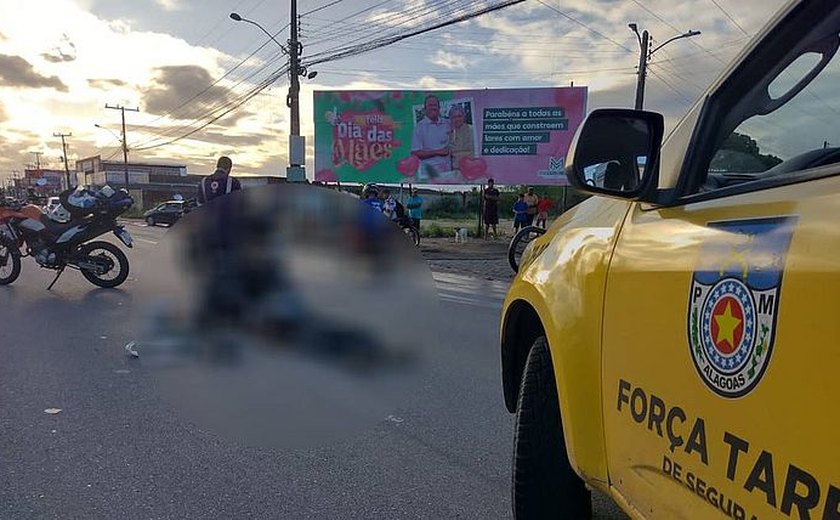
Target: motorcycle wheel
[518, 243]
[117, 260]
[412, 233]
[9, 263]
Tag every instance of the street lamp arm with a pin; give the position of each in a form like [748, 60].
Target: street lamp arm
[118, 138]
[236, 17]
[689, 34]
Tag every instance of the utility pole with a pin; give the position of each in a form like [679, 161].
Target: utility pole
[37, 159]
[297, 144]
[296, 171]
[643, 60]
[122, 110]
[645, 54]
[64, 152]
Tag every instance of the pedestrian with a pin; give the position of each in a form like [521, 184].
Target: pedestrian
[218, 183]
[491, 208]
[531, 199]
[520, 213]
[543, 207]
[415, 208]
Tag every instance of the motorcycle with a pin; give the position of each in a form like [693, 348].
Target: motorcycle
[25, 230]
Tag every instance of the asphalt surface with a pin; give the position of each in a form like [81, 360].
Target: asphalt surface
[116, 449]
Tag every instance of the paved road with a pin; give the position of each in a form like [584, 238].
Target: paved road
[117, 450]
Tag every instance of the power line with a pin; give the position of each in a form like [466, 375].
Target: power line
[385, 41]
[675, 28]
[731, 19]
[673, 88]
[589, 28]
[322, 7]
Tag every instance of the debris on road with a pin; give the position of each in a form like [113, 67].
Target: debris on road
[129, 347]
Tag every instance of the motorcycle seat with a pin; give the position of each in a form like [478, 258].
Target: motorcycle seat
[57, 228]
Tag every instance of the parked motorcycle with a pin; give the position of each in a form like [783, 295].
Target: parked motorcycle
[25, 230]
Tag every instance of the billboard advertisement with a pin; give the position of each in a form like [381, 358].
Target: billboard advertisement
[515, 136]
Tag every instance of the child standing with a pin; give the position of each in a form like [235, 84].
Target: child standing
[520, 213]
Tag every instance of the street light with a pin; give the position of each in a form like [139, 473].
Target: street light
[645, 56]
[297, 146]
[118, 138]
[235, 17]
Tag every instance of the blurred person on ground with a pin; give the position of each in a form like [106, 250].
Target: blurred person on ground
[415, 208]
[520, 213]
[218, 183]
[491, 208]
[532, 200]
[543, 207]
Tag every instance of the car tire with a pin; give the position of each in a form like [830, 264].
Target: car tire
[544, 485]
[150, 221]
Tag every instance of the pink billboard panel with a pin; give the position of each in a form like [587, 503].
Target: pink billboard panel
[515, 136]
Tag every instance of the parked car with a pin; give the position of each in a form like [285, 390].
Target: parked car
[672, 341]
[168, 212]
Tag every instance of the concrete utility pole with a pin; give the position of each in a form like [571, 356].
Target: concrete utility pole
[64, 152]
[296, 171]
[644, 58]
[122, 109]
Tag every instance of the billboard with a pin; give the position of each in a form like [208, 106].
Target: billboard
[515, 136]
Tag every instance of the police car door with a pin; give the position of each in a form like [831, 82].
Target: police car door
[722, 309]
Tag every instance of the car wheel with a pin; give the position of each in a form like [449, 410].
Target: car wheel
[544, 483]
[150, 221]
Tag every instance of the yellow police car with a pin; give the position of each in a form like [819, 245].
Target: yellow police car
[674, 341]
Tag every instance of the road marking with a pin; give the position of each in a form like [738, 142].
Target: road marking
[153, 242]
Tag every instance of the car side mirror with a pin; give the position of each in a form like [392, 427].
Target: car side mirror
[615, 152]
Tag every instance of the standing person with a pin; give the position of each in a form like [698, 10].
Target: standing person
[491, 208]
[430, 141]
[415, 208]
[461, 143]
[543, 207]
[219, 183]
[520, 213]
[370, 196]
[532, 200]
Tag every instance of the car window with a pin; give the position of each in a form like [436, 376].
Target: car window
[788, 128]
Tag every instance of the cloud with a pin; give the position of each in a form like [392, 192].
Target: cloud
[235, 141]
[170, 5]
[17, 72]
[182, 90]
[3, 115]
[106, 83]
[63, 52]
[449, 60]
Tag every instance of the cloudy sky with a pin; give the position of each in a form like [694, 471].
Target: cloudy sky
[191, 70]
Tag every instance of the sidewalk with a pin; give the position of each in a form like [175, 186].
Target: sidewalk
[485, 259]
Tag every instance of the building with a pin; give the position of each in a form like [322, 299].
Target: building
[45, 182]
[148, 182]
[151, 183]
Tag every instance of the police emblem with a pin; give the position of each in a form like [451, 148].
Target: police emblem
[734, 301]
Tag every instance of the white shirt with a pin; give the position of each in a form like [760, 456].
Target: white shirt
[429, 135]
